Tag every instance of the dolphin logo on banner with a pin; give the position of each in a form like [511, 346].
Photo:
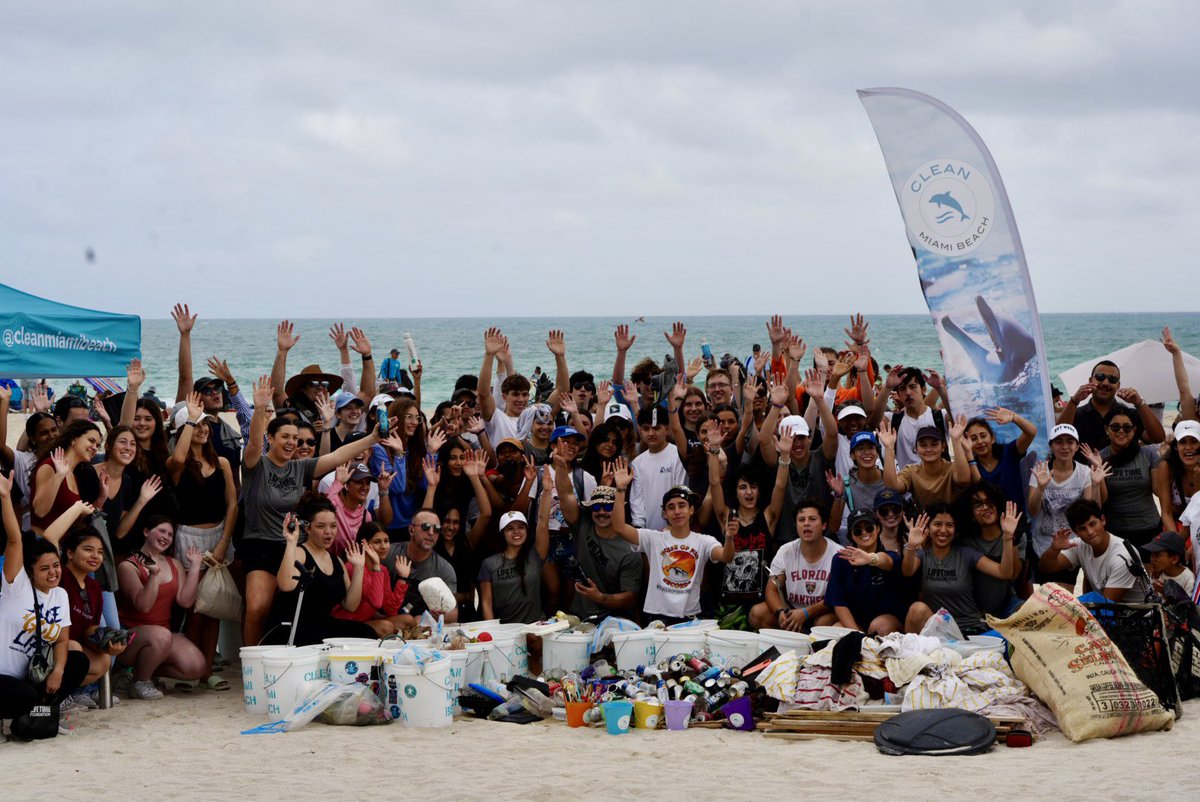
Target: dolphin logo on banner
[969, 257]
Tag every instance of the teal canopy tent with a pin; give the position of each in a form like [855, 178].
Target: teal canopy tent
[40, 338]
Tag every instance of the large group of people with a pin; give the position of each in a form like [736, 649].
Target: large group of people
[798, 487]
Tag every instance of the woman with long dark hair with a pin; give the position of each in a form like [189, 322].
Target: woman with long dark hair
[1177, 477]
[1129, 510]
[510, 583]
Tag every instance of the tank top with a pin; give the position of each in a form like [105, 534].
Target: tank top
[63, 500]
[325, 592]
[201, 501]
[159, 614]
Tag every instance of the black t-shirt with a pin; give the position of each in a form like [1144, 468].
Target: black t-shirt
[744, 579]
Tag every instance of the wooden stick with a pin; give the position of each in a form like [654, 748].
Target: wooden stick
[814, 736]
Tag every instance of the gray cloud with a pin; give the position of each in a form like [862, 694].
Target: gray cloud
[256, 160]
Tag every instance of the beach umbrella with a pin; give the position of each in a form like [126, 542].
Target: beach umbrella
[1145, 366]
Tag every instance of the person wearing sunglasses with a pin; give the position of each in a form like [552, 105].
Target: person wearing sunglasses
[1129, 507]
[1106, 394]
[423, 533]
[864, 580]
[978, 513]
[611, 571]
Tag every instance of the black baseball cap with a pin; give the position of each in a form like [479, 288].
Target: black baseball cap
[679, 491]
[860, 516]
[655, 415]
[888, 498]
[1168, 541]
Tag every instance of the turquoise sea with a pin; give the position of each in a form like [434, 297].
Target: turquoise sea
[452, 346]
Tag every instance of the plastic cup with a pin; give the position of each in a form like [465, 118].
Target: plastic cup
[679, 713]
[575, 711]
[647, 714]
[739, 714]
[616, 716]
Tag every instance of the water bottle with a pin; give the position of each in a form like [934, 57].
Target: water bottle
[381, 414]
[706, 350]
[412, 350]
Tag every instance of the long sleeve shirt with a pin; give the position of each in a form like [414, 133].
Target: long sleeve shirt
[379, 598]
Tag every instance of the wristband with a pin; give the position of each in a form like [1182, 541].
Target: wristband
[367, 358]
[785, 461]
[805, 611]
[972, 462]
[779, 406]
[191, 423]
[838, 496]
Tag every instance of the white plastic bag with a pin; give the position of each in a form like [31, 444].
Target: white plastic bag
[943, 627]
[437, 594]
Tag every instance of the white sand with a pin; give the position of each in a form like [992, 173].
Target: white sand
[188, 746]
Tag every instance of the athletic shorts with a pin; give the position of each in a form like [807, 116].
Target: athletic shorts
[261, 555]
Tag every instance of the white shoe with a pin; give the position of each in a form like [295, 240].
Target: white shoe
[84, 701]
[145, 690]
[69, 704]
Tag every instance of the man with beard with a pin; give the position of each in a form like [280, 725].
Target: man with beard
[612, 572]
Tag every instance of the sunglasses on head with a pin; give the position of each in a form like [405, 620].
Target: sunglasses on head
[428, 527]
[1121, 427]
[1111, 378]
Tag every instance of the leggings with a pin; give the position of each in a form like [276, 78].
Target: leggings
[18, 695]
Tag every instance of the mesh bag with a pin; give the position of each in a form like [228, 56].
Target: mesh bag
[1140, 631]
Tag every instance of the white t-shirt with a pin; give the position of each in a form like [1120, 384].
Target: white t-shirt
[1108, 570]
[1055, 499]
[1186, 581]
[804, 581]
[557, 521]
[906, 437]
[502, 425]
[18, 621]
[653, 476]
[676, 570]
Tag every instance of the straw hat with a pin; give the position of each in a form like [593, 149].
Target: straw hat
[311, 373]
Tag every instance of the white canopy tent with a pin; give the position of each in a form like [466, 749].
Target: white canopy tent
[1145, 366]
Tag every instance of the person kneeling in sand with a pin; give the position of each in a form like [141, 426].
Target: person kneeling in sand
[799, 576]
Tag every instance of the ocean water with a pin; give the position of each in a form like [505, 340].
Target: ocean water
[449, 347]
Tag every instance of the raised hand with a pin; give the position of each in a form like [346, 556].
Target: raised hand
[475, 425]
[886, 434]
[678, 391]
[355, 556]
[796, 348]
[761, 362]
[359, 342]
[285, 338]
[712, 435]
[474, 462]
[1101, 472]
[568, 404]
[676, 335]
[693, 368]
[1085, 389]
[433, 471]
[776, 330]
[957, 427]
[1131, 395]
[341, 474]
[1041, 472]
[814, 385]
[836, 483]
[493, 342]
[893, 378]
[394, 443]
[6, 483]
[557, 343]
[372, 557]
[436, 439]
[263, 392]
[1000, 415]
[604, 392]
[624, 339]
[777, 391]
[530, 469]
[631, 397]
[41, 395]
[749, 391]
[150, 488]
[606, 474]
[784, 441]
[98, 410]
[841, 366]
[857, 331]
[134, 376]
[195, 558]
[326, 408]
[1062, 540]
[854, 556]
[291, 528]
[917, 530]
[1010, 519]
[385, 480]
[402, 565]
[863, 361]
[1169, 342]
[1091, 455]
[184, 319]
[935, 380]
[417, 370]
[732, 525]
[337, 333]
[195, 407]
[58, 459]
[220, 369]
[621, 472]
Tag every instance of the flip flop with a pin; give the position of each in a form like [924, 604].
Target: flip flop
[216, 682]
[181, 685]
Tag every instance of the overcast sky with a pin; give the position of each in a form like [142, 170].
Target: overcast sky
[539, 158]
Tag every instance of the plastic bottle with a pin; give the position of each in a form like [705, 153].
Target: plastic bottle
[535, 702]
[412, 349]
[515, 704]
[706, 350]
[382, 416]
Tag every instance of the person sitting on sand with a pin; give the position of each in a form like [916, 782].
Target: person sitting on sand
[1108, 565]
[381, 599]
[864, 581]
[800, 575]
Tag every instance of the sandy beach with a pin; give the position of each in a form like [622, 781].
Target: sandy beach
[188, 746]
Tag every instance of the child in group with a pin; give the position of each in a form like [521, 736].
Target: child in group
[1167, 553]
[380, 600]
[677, 555]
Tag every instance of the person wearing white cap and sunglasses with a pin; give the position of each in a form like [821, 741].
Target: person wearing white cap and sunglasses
[1177, 477]
[510, 583]
[1056, 484]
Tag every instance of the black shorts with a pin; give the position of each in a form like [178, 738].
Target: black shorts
[261, 555]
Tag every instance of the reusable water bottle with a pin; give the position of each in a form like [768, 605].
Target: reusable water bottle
[381, 414]
[706, 350]
[412, 349]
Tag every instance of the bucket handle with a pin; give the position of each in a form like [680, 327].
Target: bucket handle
[278, 678]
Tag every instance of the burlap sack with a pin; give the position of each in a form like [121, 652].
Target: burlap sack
[1063, 654]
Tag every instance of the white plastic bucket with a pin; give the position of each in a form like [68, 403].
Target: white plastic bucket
[830, 633]
[510, 653]
[347, 666]
[633, 649]
[458, 673]
[352, 643]
[254, 696]
[287, 673]
[420, 698]
[784, 640]
[732, 647]
[670, 642]
[569, 651]
[978, 643]
[478, 666]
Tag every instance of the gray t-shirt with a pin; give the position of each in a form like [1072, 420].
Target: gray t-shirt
[270, 491]
[609, 563]
[1130, 505]
[803, 483]
[512, 603]
[434, 565]
[950, 582]
[995, 595]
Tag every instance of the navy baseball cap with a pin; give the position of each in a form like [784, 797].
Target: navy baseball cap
[864, 437]
[860, 516]
[888, 498]
[565, 431]
[1168, 541]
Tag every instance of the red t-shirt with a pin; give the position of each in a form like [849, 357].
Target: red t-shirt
[86, 605]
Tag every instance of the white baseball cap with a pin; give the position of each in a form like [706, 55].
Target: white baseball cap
[1187, 428]
[1064, 429]
[382, 400]
[616, 409]
[508, 517]
[795, 424]
[851, 410]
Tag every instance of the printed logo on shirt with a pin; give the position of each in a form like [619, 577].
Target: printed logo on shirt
[283, 482]
[810, 580]
[678, 566]
[26, 639]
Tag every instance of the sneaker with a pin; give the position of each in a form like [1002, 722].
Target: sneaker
[69, 704]
[116, 700]
[122, 681]
[145, 690]
[84, 701]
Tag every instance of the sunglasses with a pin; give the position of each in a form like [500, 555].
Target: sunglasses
[1111, 378]
[306, 441]
[213, 389]
[888, 511]
[591, 388]
[318, 384]
[430, 527]
[1121, 427]
[606, 507]
[981, 503]
[720, 386]
[863, 529]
